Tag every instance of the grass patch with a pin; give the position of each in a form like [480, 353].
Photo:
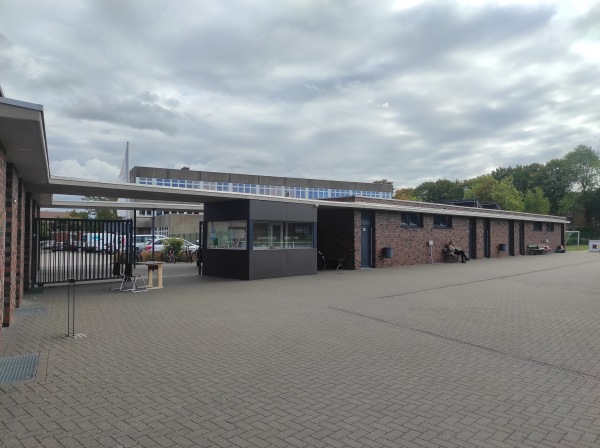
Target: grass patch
[575, 247]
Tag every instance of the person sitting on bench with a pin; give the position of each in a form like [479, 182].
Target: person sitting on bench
[458, 251]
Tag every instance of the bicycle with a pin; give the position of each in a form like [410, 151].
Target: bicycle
[170, 256]
[190, 255]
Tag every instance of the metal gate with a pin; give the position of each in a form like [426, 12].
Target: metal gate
[80, 249]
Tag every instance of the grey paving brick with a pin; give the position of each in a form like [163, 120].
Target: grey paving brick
[503, 353]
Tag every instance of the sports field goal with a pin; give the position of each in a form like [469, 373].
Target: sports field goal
[572, 238]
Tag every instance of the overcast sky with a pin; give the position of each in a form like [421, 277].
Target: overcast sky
[349, 90]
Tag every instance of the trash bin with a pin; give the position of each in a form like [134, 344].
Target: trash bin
[502, 247]
[387, 252]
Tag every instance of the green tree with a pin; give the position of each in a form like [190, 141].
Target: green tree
[82, 214]
[487, 189]
[583, 168]
[568, 204]
[408, 194]
[383, 181]
[524, 177]
[536, 202]
[590, 200]
[506, 195]
[480, 188]
[441, 190]
[105, 214]
[555, 183]
[101, 214]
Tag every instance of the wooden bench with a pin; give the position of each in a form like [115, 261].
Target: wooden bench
[450, 256]
[535, 249]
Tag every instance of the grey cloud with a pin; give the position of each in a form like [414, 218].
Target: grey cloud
[295, 88]
[134, 112]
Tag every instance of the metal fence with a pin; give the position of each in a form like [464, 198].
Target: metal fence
[80, 249]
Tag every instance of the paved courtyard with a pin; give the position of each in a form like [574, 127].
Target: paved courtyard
[492, 353]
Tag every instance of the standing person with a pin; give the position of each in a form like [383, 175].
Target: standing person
[458, 251]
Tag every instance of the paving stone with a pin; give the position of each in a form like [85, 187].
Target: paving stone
[492, 355]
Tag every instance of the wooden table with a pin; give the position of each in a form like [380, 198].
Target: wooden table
[154, 266]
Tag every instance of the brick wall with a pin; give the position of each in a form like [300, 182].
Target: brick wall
[11, 244]
[410, 245]
[544, 236]
[2, 225]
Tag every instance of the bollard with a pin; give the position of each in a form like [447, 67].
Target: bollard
[71, 308]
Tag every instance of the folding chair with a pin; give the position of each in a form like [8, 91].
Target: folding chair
[129, 280]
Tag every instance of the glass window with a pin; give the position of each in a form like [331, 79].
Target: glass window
[271, 190]
[267, 235]
[549, 227]
[243, 188]
[318, 193]
[537, 226]
[442, 221]
[279, 235]
[295, 192]
[227, 235]
[298, 235]
[411, 220]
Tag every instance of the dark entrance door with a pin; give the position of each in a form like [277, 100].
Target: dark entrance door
[366, 240]
[486, 238]
[522, 238]
[473, 238]
[511, 238]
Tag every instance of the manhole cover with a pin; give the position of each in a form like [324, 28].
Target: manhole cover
[14, 369]
[31, 310]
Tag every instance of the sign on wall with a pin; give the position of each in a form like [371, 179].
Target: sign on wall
[594, 245]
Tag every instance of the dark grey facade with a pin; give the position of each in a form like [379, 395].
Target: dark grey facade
[250, 262]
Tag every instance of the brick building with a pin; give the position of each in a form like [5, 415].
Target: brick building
[368, 231]
[383, 233]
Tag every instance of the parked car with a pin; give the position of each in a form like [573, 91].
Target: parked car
[159, 245]
[144, 240]
[64, 246]
[47, 244]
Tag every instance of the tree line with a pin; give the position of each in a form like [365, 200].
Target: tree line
[562, 187]
[96, 213]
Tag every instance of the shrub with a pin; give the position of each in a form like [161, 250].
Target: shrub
[174, 244]
[147, 256]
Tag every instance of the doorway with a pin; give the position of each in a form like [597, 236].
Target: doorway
[473, 238]
[366, 240]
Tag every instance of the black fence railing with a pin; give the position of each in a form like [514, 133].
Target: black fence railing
[80, 249]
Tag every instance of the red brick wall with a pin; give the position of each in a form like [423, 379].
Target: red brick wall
[544, 236]
[2, 225]
[411, 245]
[11, 244]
